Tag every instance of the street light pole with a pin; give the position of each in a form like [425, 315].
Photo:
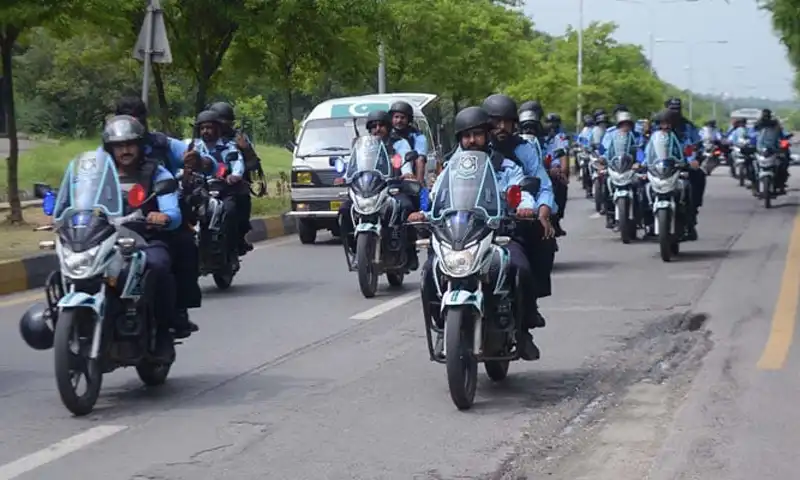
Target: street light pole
[579, 110]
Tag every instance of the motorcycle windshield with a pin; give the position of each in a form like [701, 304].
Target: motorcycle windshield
[90, 193]
[90, 184]
[659, 159]
[461, 228]
[468, 185]
[622, 143]
[369, 155]
[769, 138]
[367, 183]
[597, 135]
[621, 163]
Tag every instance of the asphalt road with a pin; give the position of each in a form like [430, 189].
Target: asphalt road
[294, 375]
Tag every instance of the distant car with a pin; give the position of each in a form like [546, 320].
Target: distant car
[795, 159]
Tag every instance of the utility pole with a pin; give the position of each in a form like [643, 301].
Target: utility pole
[579, 110]
[381, 68]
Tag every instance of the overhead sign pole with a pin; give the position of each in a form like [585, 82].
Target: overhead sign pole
[152, 44]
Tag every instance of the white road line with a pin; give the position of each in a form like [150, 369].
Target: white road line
[382, 308]
[57, 450]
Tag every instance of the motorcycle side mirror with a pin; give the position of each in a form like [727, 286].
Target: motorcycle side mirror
[40, 189]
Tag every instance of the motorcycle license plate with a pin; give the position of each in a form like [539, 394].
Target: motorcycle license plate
[335, 206]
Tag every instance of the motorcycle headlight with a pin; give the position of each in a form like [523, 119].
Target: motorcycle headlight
[365, 205]
[77, 264]
[459, 263]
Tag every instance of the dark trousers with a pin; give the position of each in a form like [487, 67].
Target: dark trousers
[244, 208]
[186, 269]
[560, 192]
[697, 180]
[159, 264]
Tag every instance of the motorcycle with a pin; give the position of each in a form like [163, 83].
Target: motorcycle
[218, 253]
[480, 296]
[741, 160]
[710, 153]
[766, 167]
[667, 193]
[621, 181]
[104, 318]
[584, 174]
[597, 171]
[381, 238]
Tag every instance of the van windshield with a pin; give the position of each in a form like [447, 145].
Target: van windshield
[329, 136]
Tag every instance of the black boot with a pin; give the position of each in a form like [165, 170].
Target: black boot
[528, 350]
[165, 346]
[183, 326]
[560, 232]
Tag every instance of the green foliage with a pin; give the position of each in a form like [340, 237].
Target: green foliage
[786, 21]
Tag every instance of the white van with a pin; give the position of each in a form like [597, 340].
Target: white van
[325, 135]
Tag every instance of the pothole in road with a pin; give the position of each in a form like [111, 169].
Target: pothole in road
[668, 348]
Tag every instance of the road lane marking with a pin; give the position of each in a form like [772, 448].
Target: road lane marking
[58, 450]
[783, 320]
[384, 307]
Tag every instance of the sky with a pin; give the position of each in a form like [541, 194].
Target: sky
[752, 64]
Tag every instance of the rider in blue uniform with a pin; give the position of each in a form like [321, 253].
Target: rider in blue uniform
[688, 135]
[503, 115]
[556, 150]
[472, 127]
[124, 138]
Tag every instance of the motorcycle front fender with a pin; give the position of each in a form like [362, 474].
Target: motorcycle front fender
[96, 303]
[368, 227]
[461, 298]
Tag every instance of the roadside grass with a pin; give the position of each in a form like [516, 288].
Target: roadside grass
[46, 164]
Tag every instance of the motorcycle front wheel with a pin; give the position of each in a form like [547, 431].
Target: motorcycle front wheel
[365, 253]
[665, 237]
[462, 367]
[71, 354]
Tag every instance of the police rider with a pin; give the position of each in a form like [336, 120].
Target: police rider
[254, 173]
[173, 154]
[379, 124]
[557, 149]
[530, 127]
[209, 127]
[402, 115]
[769, 134]
[688, 135]
[503, 115]
[473, 126]
[621, 141]
[125, 139]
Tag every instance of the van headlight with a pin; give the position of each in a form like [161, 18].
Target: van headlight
[77, 264]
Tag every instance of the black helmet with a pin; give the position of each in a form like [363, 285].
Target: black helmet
[620, 108]
[379, 116]
[224, 111]
[588, 119]
[469, 118]
[673, 103]
[207, 116]
[501, 106]
[402, 107]
[532, 106]
[766, 114]
[123, 129]
[35, 329]
[711, 123]
[553, 118]
[600, 116]
[527, 116]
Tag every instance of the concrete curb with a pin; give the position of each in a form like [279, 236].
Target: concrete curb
[31, 272]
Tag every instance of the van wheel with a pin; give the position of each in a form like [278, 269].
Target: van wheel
[307, 231]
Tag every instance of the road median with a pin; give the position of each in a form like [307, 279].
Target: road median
[30, 272]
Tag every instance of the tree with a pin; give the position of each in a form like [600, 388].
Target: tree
[17, 17]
